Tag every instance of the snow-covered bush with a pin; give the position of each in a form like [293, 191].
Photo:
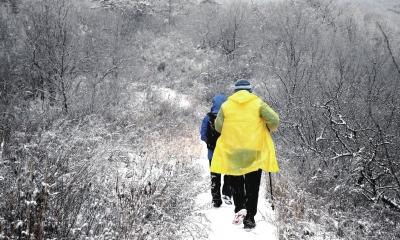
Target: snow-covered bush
[333, 83]
[117, 164]
[86, 177]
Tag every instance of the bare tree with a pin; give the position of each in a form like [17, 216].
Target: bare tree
[52, 47]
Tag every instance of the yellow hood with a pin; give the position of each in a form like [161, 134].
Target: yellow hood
[242, 96]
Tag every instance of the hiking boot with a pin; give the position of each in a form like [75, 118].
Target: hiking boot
[217, 204]
[239, 216]
[227, 200]
[249, 223]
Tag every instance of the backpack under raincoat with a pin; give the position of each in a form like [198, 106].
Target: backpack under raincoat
[245, 144]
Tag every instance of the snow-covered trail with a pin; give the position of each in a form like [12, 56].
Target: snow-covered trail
[218, 221]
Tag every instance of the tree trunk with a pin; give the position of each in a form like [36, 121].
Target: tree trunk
[64, 95]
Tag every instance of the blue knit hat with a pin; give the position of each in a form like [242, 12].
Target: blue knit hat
[243, 85]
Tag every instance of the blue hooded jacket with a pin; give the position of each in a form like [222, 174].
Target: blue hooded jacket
[218, 100]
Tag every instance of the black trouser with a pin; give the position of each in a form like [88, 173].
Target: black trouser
[245, 192]
[216, 186]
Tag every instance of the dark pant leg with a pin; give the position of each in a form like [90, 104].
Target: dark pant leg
[237, 186]
[215, 186]
[252, 185]
[226, 188]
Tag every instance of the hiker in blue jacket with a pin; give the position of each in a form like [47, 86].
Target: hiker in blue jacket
[209, 136]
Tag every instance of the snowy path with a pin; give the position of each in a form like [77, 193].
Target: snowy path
[218, 221]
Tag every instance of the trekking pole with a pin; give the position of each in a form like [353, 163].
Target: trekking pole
[272, 196]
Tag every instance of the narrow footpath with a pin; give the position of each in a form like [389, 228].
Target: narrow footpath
[218, 221]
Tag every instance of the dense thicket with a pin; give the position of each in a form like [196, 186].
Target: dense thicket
[337, 92]
[95, 109]
[88, 147]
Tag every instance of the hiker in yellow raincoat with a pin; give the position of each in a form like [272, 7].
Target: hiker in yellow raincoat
[245, 148]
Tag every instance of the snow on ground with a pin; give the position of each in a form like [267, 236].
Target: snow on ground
[218, 221]
[172, 96]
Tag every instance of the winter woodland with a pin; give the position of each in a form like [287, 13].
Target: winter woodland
[101, 103]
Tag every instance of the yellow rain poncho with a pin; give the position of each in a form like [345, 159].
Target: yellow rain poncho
[245, 144]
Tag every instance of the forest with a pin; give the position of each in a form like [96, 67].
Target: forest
[101, 103]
